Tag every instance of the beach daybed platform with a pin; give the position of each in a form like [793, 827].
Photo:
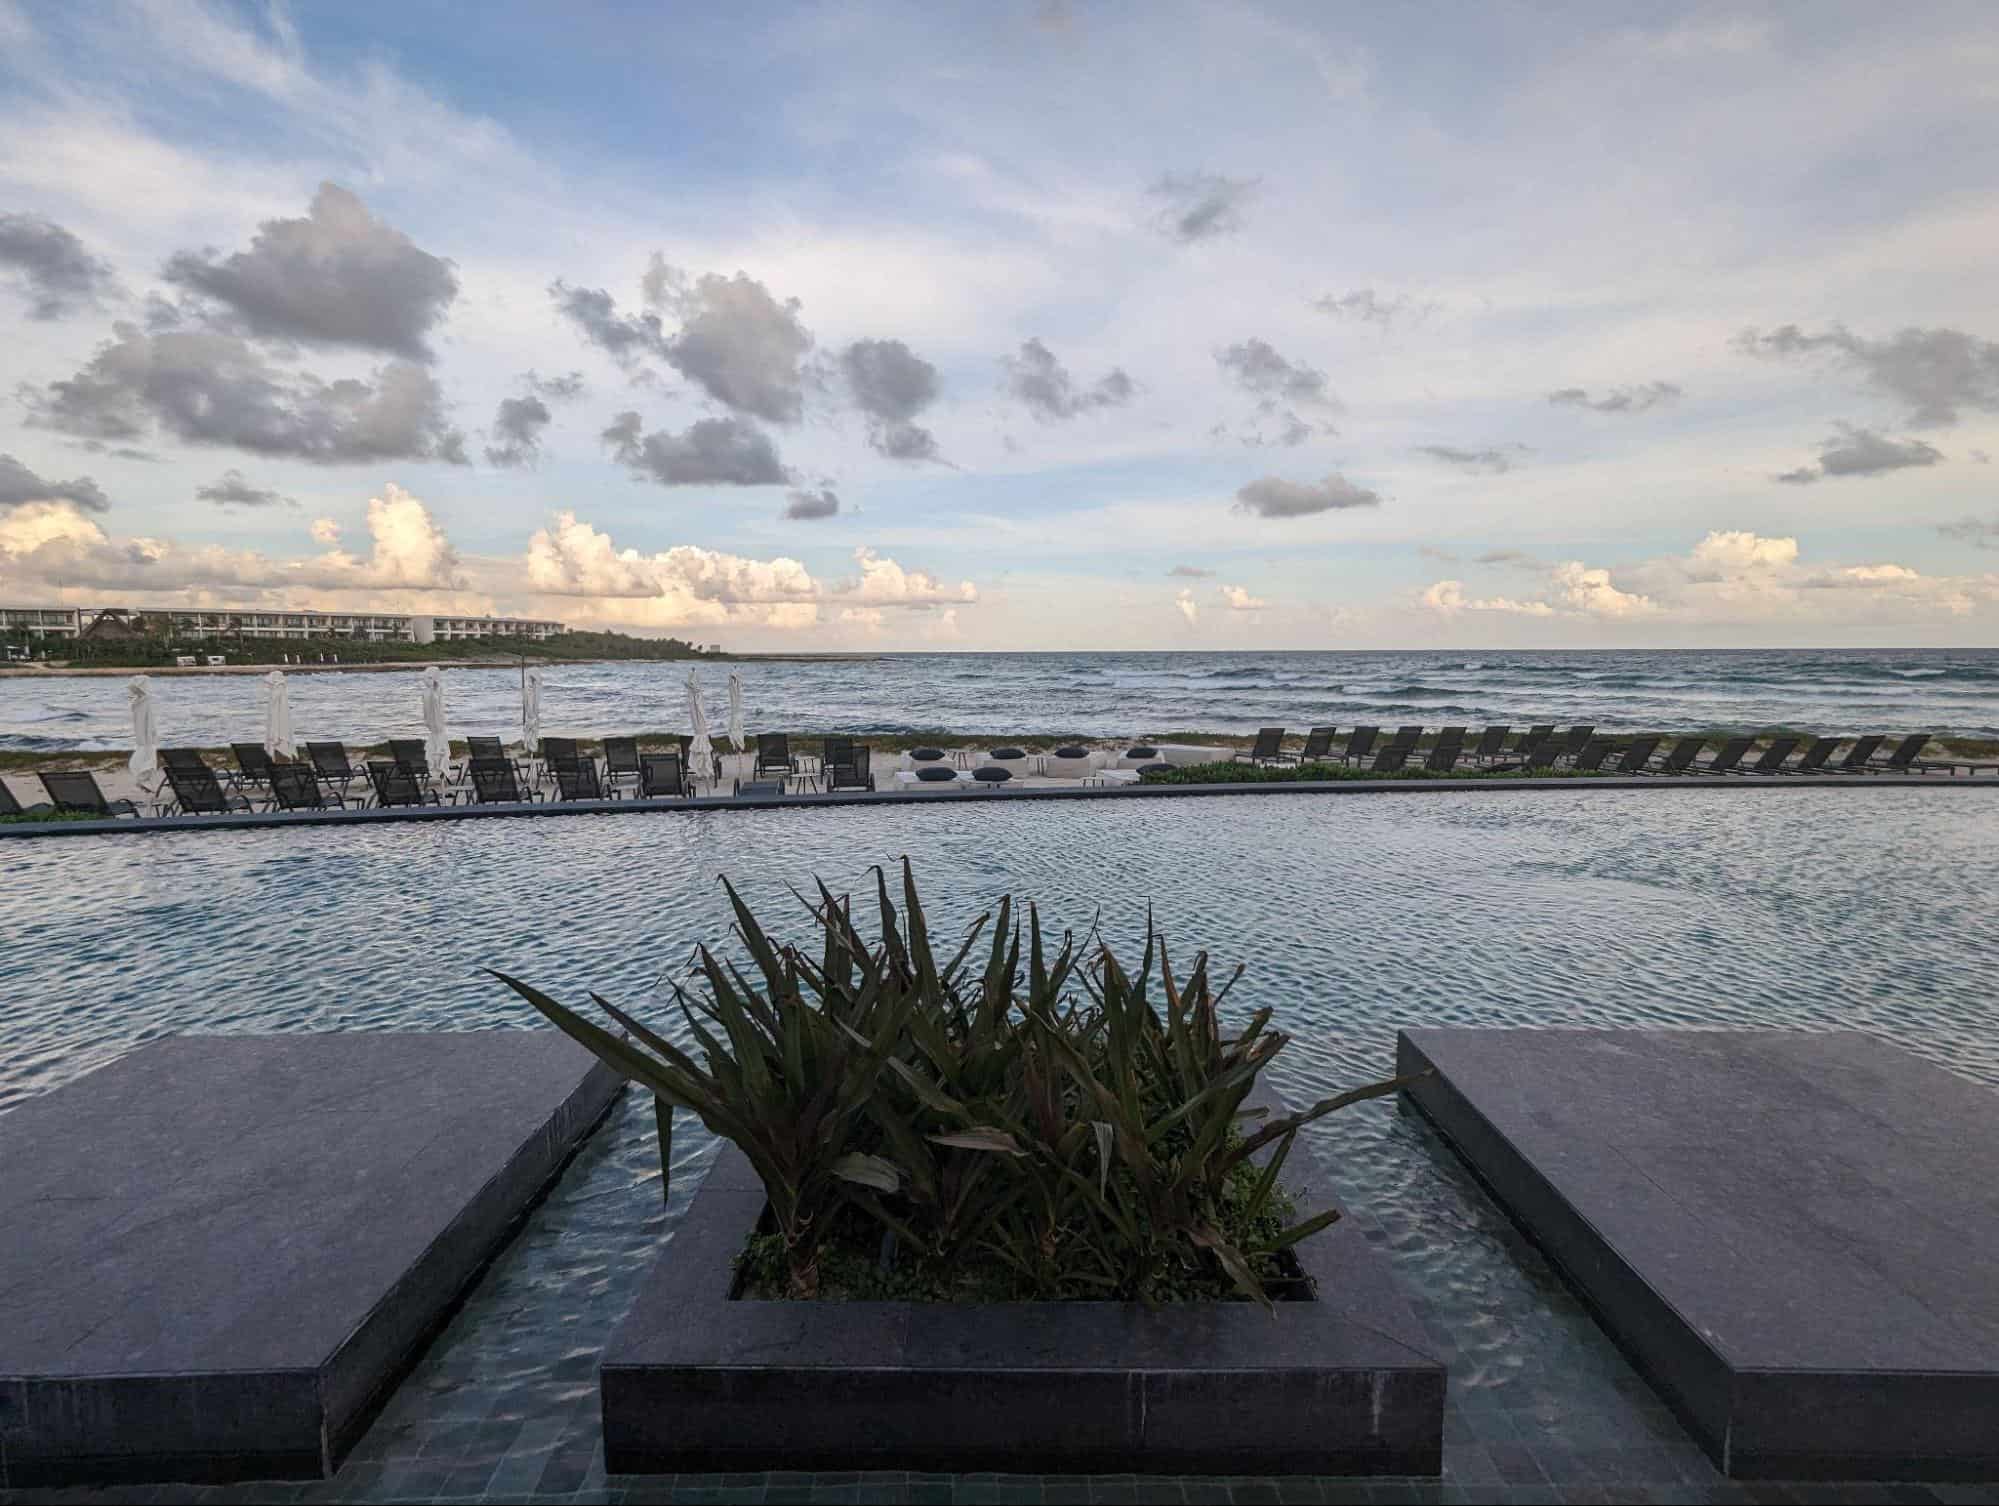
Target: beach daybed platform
[1791, 1235]
[223, 1251]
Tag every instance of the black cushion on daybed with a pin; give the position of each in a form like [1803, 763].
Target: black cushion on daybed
[1141, 751]
[1155, 768]
[992, 775]
[1072, 752]
[936, 775]
[1006, 753]
[925, 755]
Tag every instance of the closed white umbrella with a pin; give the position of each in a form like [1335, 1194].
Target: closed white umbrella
[699, 756]
[145, 731]
[436, 743]
[277, 716]
[531, 708]
[736, 709]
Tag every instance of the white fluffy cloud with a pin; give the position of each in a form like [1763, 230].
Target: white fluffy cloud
[1237, 599]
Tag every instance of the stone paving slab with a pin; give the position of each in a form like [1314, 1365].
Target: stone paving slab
[220, 1252]
[1791, 1233]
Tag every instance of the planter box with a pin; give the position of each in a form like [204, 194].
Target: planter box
[695, 1381]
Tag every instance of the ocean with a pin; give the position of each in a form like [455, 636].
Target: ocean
[1951, 691]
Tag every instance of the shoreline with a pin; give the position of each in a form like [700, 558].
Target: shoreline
[164, 671]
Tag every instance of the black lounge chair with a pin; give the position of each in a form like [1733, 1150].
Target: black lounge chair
[1318, 746]
[835, 752]
[1444, 756]
[495, 782]
[559, 752]
[1268, 748]
[662, 776]
[774, 755]
[1815, 757]
[1490, 742]
[1639, 754]
[1729, 756]
[1532, 753]
[579, 781]
[1406, 738]
[1534, 736]
[621, 762]
[181, 758]
[1772, 759]
[397, 784]
[1592, 756]
[852, 774]
[1903, 759]
[1857, 756]
[329, 763]
[1390, 760]
[1360, 743]
[74, 792]
[9, 806]
[253, 764]
[1452, 735]
[759, 789]
[1680, 759]
[301, 787]
[1575, 740]
[199, 793]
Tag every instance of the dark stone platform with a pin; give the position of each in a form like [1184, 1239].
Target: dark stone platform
[693, 1380]
[221, 1252]
[1794, 1236]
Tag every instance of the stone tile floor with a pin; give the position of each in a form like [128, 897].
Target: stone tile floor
[503, 1407]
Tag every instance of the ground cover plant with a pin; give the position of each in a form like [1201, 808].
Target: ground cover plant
[1025, 1119]
[1250, 773]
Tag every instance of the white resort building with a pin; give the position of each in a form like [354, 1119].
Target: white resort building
[191, 622]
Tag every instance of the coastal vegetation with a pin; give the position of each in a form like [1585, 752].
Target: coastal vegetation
[1250, 773]
[1024, 1119]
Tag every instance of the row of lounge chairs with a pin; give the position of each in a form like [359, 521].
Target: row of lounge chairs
[1500, 749]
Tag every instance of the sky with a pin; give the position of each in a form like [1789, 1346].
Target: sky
[1189, 324]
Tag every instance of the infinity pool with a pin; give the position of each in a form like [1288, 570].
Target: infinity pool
[1852, 909]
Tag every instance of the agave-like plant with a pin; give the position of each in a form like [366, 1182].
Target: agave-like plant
[1093, 1146]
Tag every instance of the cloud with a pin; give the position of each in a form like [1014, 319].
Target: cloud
[1187, 607]
[1639, 399]
[556, 388]
[712, 451]
[517, 426]
[325, 531]
[811, 504]
[52, 544]
[52, 268]
[1980, 533]
[1274, 497]
[1432, 552]
[1040, 381]
[1190, 572]
[1493, 460]
[883, 582]
[1515, 557]
[1365, 306]
[1587, 590]
[1255, 367]
[1447, 598]
[1200, 206]
[891, 384]
[337, 277]
[232, 487]
[19, 485]
[736, 342]
[1236, 599]
[1862, 452]
[594, 312]
[204, 387]
[1935, 373]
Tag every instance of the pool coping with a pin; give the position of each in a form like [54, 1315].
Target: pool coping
[250, 820]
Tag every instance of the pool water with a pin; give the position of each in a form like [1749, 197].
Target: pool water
[1849, 909]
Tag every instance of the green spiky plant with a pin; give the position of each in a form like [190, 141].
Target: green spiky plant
[1050, 1116]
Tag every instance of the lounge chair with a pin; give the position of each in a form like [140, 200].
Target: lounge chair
[181, 758]
[74, 792]
[199, 793]
[852, 774]
[1268, 748]
[329, 762]
[621, 762]
[579, 781]
[495, 782]
[1490, 742]
[1903, 759]
[253, 764]
[1575, 740]
[1390, 760]
[1639, 754]
[1680, 759]
[397, 784]
[1857, 756]
[835, 751]
[774, 755]
[1729, 756]
[662, 776]
[1318, 745]
[301, 787]
[1444, 756]
[1532, 753]
[1452, 735]
[1815, 757]
[1772, 759]
[1406, 738]
[559, 752]
[9, 806]
[1592, 756]
[413, 758]
[1360, 743]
